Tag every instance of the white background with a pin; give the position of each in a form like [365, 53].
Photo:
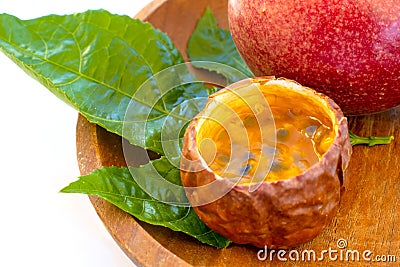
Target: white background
[38, 225]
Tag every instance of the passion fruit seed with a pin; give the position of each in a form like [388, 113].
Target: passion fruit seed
[310, 130]
[322, 139]
[282, 134]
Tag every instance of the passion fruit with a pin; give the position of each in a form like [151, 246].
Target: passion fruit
[346, 49]
[266, 180]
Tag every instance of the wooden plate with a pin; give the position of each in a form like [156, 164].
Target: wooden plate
[368, 218]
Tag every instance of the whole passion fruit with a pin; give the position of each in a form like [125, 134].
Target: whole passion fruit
[346, 49]
[265, 161]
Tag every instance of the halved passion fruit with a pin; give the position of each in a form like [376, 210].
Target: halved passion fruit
[265, 161]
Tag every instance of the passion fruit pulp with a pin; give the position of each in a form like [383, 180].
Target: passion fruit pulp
[279, 177]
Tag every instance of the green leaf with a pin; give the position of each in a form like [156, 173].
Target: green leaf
[117, 186]
[369, 141]
[96, 62]
[210, 43]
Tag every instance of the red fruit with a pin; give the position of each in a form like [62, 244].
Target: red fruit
[347, 49]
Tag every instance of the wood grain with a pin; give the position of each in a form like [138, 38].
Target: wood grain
[368, 217]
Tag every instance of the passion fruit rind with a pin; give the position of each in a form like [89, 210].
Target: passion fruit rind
[281, 214]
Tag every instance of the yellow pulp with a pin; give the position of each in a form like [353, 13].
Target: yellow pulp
[301, 140]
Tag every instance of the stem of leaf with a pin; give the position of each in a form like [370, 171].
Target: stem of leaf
[369, 141]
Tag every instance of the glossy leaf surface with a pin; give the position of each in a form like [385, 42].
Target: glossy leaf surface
[96, 62]
[210, 43]
[117, 186]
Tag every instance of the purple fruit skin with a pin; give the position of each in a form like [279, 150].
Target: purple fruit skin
[346, 49]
